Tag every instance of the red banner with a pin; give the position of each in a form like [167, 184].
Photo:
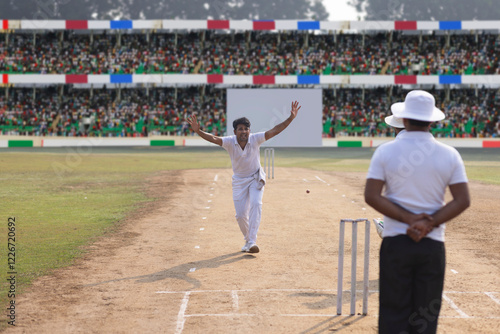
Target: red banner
[491, 144]
[264, 25]
[77, 24]
[215, 78]
[405, 25]
[218, 24]
[405, 79]
[263, 80]
[76, 79]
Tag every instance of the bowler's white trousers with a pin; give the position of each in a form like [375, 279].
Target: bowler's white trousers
[247, 197]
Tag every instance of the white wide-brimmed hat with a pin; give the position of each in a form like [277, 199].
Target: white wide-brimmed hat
[418, 105]
[394, 121]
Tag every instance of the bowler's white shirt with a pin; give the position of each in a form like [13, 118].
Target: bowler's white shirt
[245, 162]
[416, 169]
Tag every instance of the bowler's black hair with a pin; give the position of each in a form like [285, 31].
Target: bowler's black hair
[418, 123]
[242, 120]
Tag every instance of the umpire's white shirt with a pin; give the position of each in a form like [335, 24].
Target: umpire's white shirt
[416, 169]
[245, 162]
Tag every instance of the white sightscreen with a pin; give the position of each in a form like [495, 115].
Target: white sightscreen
[266, 108]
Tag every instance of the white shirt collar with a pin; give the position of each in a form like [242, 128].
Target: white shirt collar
[415, 134]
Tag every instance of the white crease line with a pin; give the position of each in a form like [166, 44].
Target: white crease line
[202, 229]
[305, 180]
[192, 270]
[454, 271]
[181, 317]
[495, 299]
[216, 177]
[475, 292]
[236, 305]
[196, 246]
[456, 317]
[209, 201]
[207, 207]
[305, 290]
[455, 307]
[221, 315]
[266, 290]
[320, 179]
[309, 315]
[313, 315]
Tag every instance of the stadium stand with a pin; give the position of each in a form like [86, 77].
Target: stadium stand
[137, 78]
[68, 111]
[252, 53]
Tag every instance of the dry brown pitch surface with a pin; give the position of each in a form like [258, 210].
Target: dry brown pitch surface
[176, 266]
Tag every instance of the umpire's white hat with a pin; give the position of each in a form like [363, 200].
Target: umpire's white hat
[419, 105]
[394, 121]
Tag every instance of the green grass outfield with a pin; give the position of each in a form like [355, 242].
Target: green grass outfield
[64, 198]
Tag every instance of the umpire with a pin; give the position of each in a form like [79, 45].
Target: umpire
[415, 170]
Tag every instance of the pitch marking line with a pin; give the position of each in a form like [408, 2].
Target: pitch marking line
[305, 290]
[220, 315]
[181, 317]
[321, 179]
[236, 305]
[495, 299]
[455, 307]
[253, 290]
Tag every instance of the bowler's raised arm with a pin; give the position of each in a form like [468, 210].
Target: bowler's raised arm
[283, 125]
[205, 135]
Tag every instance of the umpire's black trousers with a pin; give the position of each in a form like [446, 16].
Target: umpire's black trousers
[411, 284]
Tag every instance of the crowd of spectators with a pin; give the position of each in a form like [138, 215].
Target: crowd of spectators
[73, 111]
[251, 53]
[357, 112]
[70, 111]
